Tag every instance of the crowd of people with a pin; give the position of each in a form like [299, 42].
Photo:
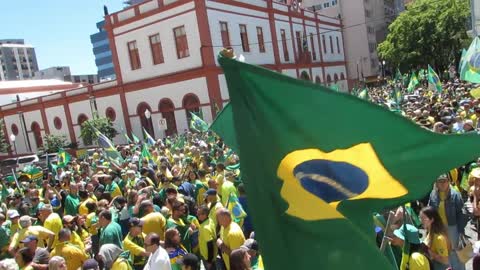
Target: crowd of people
[172, 210]
[167, 211]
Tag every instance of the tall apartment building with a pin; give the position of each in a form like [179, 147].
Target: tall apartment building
[17, 60]
[103, 54]
[365, 25]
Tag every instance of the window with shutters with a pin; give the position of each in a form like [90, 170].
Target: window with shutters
[156, 47]
[134, 55]
[312, 44]
[244, 38]
[284, 45]
[261, 43]
[225, 34]
[324, 44]
[331, 44]
[338, 45]
[181, 42]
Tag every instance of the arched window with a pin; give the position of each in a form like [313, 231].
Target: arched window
[335, 78]
[329, 78]
[57, 122]
[14, 129]
[342, 76]
[81, 118]
[111, 114]
[191, 104]
[146, 123]
[304, 76]
[317, 80]
[37, 134]
[167, 109]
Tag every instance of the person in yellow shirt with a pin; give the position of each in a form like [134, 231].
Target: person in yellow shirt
[84, 199]
[135, 243]
[231, 235]
[213, 204]
[27, 229]
[220, 174]
[437, 237]
[51, 221]
[228, 188]
[206, 237]
[153, 221]
[112, 258]
[73, 255]
[69, 223]
[414, 260]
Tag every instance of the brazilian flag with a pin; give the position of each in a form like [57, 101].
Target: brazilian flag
[63, 158]
[145, 155]
[235, 208]
[197, 123]
[470, 64]
[110, 151]
[433, 80]
[316, 177]
[413, 82]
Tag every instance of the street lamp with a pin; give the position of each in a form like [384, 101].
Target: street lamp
[12, 139]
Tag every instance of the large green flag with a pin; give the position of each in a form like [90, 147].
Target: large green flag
[470, 69]
[433, 80]
[413, 82]
[223, 127]
[145, 155]
[398, 76]
[136, 140]
[197, 123]
[63, 158]
[315, 177]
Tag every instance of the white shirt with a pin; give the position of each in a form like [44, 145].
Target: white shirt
[159, 260]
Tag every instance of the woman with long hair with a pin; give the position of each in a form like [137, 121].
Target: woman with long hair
[174, 247]
[57, 263]
[437, 238]
[240, 259]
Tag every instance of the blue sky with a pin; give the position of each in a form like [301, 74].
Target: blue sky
[58, 29]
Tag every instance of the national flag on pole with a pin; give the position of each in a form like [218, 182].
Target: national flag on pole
[110, 151]
[397, 95]
[235, 208]
[470, 69]
[315, 177]
[63, 158]
[136, 140]
[19, 187]
[433, 80]
[128, 138]
[197, 123]
[145, 155]
[398, 76]
[413, 82]
[33, 173]
[150, 141]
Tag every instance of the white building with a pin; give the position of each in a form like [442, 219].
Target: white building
[164, 54]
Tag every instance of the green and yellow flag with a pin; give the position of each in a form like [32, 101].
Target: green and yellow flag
[197, 123]
[110, 151]
[316, 177]
[470, 66]
[413, 82]
[235, 208]
[63, 158]
[433, 80]
[145, 155]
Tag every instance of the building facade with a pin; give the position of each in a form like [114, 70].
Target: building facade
[58, 73]
[17, 60]
[164, 54]
[365, 26]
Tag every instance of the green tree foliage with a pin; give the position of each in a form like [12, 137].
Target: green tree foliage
[3, 141]
[53, 143]
[103, 124]
[428, 32]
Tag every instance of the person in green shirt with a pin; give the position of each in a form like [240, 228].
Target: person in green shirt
[111, 232]
[182, 224]
[72, 201]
